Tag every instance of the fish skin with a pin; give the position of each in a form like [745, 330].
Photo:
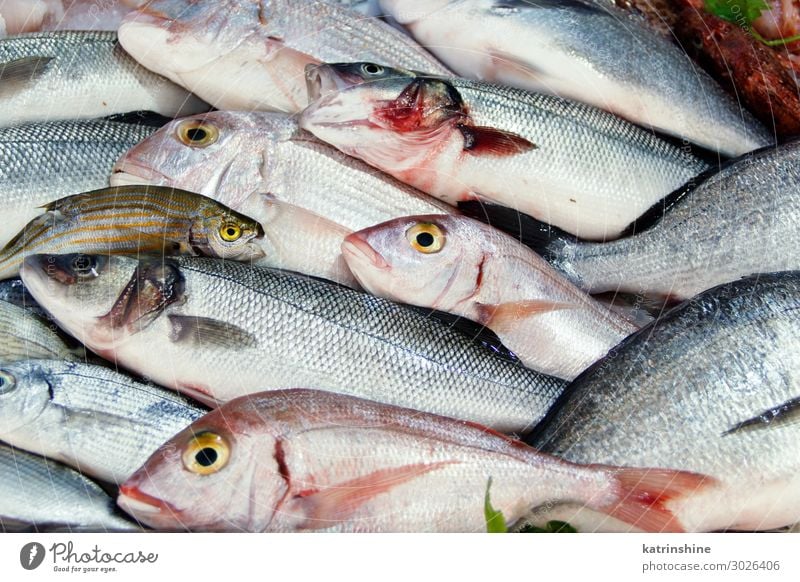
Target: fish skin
[739, 221]
[678, 386]
[596, 54]
[250, 329]
[46, 494]
[133, 219]
[13, 291]
[316, 461]
[81, 75]
[489, 277]
[25, 336]
[259, 47]
[40, 162]
[461, 140]
[267, 152]
[37, 15]
[89, 417]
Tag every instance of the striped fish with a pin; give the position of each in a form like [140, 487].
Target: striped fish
[135, 220]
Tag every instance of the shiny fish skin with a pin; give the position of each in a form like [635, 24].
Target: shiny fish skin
[80, 75]
[41, 162]
[260, 48]
[36, 15]
[46, 494]
[219, 329]
[24, 336]
[671, 392]
[94, 419]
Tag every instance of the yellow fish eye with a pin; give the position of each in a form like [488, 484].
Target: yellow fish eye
[426, 238]
[230, 232]
[206, 453]
[196, 133]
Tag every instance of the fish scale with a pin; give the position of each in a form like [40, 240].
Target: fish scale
[25, 336]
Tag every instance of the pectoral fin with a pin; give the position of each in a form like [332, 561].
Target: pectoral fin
[18, 75]
[493, 142]
[199, 331]
[506, 316]
[782, 415]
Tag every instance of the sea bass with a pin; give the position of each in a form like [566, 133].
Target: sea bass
[711, 387]
[326, 462]
[52, 76]
[464, 140]
[461, 266]
[24, 336]
[89, 417]
[249, 54]
[135, 219]
[219, 329]
[587, 51]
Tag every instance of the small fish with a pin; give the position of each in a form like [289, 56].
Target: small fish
[464, 267]
[24, 336]
[313, 461]
[135, 219]
[462, 140]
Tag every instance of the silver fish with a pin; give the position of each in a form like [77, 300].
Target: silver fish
[711, 387]
[18, 16]
[217, 330]
[24, 336]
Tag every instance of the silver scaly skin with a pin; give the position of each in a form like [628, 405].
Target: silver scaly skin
[711, 387]
[24, 336]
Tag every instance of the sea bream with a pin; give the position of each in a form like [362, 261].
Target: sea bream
[462, 266]
[712, 387]
[564, 163]
[216, 330]
[302, 460]
[249, 54]
[25, 336]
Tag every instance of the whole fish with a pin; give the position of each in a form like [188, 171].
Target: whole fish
[228, 155]
[711, 387]
[740, 221]
[218, 329]
[24, 336]
[135, 219]
[40, 162]
[464, 140]
[462, 266]
[587, 51]
[88, 417]
[50, 76]
[44, 494]
[246, 55]
[318, 461]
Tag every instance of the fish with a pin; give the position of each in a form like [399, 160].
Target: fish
[45, 495]
[89, 417]
[40, 162]
[228, 155]
[462, 140]
[710, 387]
[467, 268]
[316, 461]
[26, 336]
[724, 226]
[135, 219]
[588, 51]
[20, 16]
[259, 48]
[12, 291]
[53, 76]
[216, 330]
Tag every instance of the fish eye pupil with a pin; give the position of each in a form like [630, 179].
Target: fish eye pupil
[206, 457]
[231, 231]
[372, 69]
[425, 239]
[82, 264]
[196, 134]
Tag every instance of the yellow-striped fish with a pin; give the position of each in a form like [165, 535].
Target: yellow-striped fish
[135, 220]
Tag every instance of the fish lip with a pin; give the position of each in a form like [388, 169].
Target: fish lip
[324, 79]
[134, 173]
[354, 246]
[141, 503]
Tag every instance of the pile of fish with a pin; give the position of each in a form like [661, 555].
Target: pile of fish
[360, 266]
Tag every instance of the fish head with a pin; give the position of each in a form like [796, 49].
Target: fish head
[223, 233]
[25, 391]
[421, 260]
[408, 12]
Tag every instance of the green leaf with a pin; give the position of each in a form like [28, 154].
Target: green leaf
[741, 12]
[550, 527]
[495, 522]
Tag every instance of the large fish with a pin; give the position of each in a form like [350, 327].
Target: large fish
[135, 219]
[587, 51]
[40, 162]
[89, 417]
[51, 76]
[219, 329]
[462, 266]
[710, 387]
[249, 54]
[25, 336]
[567, 164]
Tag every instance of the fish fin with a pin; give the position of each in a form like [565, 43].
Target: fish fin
[337, 503]
[206, 331]
[784, 414]
[504, 317]
[16, 75]
[477, 332]
[642, 494]
[506, 62]
[480, 140]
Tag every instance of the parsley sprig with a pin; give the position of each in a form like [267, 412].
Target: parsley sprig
[744, 13]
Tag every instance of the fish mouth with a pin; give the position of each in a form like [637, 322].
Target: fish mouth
[136, 502]
[325, 79]
[43, 268]
[356, 248]
[132, 173]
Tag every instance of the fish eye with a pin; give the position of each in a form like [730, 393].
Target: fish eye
[206, 453]
[84, 266]
[7, 382]
[426, 238]
[196, 133]
[230, 232]
[372, 69]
